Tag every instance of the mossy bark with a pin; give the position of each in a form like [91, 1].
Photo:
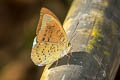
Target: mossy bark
[92, 27]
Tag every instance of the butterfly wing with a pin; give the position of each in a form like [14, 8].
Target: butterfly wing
[42, 13]
[49, 28]
[51, 39]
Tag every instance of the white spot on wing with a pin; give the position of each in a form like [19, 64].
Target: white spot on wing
[40, 65]
[34, 42]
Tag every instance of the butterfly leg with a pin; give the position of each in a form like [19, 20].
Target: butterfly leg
[69, 56]
[68, 59]
[56, 63]
[70, 52]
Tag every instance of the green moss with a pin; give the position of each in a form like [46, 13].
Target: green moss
[113, 28]
[96, 34]
[107, 53]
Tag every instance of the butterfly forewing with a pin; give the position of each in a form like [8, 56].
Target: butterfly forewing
[42, 13]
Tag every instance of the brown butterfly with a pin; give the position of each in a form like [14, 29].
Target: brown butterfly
[51, 42]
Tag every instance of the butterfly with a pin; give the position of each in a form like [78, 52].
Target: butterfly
[51, 42]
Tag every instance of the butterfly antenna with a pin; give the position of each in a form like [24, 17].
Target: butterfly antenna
[74, 32]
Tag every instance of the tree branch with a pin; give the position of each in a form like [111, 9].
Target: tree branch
[92, 28]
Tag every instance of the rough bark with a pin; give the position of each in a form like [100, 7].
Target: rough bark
[92, 27]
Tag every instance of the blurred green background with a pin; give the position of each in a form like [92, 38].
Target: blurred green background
[18, 22]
